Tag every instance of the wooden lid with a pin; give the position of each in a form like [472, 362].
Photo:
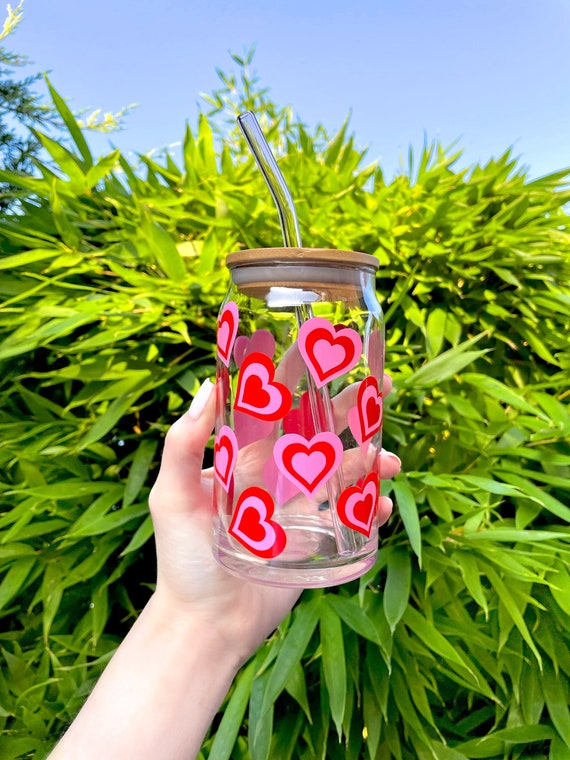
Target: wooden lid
[301, 256]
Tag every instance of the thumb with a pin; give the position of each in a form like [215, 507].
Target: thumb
[177, 486]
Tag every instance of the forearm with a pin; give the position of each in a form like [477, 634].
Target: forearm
[158, 695]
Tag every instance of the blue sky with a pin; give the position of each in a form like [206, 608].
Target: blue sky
[488, 73]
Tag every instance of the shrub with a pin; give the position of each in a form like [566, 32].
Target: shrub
[456, 645]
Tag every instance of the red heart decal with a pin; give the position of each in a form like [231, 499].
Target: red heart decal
[225, 456]
[227, 331]
[253, 527]
[365, 419]
[329, 351]
[257, 393]
[308, 464]
[357, 505]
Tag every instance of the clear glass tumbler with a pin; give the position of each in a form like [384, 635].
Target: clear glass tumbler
[300, 357]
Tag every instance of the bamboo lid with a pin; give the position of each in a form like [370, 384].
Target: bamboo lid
[302, 256]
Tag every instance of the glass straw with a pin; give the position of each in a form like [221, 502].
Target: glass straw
[346, 539]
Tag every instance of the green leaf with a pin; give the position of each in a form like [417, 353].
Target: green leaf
[143, 533]
[471, 575]
[164, 249]
[15, 579]
[445, 365]
[501, 392]
[355, 617]
[435, 330]
[497, 742]
[70, 235]
[513, 610]
[28, 257]
[398, 585]
[433, 639]
[334, 664]
[540, 495]
[113, 414]
[296, 686]
[511, 535]
[71, 124]
[305, 620]
[139, 470]
[229, 727]
[260, 728]
[532, 701]
[408, 511]
[101, 169]
[555, 690]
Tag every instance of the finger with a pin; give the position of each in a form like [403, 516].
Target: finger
[385, 507]
[386, 384]
[177, 487]
[389, 464]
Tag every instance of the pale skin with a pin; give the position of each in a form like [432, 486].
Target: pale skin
[167, 680]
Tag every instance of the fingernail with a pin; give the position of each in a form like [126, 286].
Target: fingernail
[392, 456]
[200, 399]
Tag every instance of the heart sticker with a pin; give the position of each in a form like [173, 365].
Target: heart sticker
[365, 419]
[308, 464]
[277, 484]
[249, 430]
[227, 331]
[261, 341]
[253, 527]
[329, 351]
[356, 506]
[257, 392]
[301, 420]
[225, 456]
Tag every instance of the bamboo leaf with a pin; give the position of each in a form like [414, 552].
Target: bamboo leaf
[305, 621]
[501, 392]
[334, 663]
[555, 690]
[513, 610]
[355, 617]
[408, 511]
[71, 124]
[139, 470]
[445, 365]
[228, 730]
[398, 585]
[296, 686]
[15, 579]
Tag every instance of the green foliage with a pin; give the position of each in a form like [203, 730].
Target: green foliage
[456, 644]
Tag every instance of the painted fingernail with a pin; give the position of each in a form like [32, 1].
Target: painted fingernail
[200, 399]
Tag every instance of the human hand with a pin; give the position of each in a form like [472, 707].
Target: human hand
[190, 583]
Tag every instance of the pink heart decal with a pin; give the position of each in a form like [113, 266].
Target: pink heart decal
[308, 464]
[227, 331]
[365, 419]
[261, 341]
[281, 489]
[257, 392]
[300, 420]
[249, 430]
[357, 505]
[225, 456]
[329, 351]
[253, 527]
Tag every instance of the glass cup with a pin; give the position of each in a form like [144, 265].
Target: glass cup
[300, 359]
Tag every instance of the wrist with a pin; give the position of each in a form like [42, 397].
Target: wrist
[186, 627]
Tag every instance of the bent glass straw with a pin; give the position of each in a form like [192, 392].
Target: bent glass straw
[247, 122]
